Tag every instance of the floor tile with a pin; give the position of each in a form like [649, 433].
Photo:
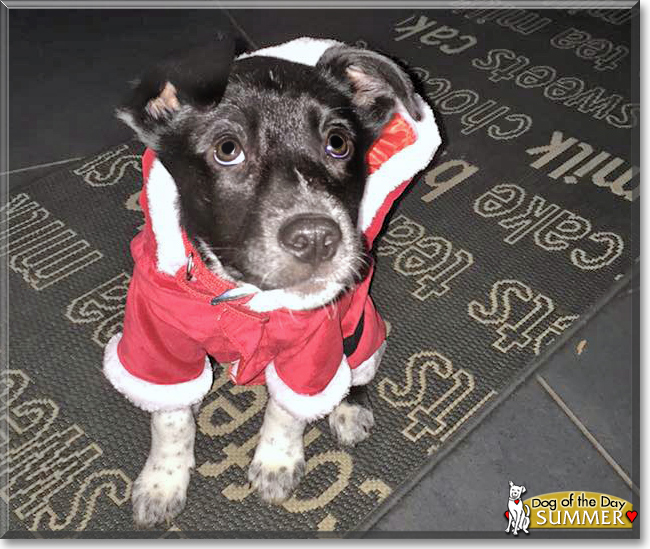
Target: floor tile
[594, 376]
[347, 26]
[528, 440]
[85, 59]
[23, 177]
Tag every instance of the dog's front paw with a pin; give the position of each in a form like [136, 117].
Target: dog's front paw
[274, 480]
[160, 491]
[351, 423]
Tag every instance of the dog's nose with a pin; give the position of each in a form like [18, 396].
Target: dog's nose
[310, 238]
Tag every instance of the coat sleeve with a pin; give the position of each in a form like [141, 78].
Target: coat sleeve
[311, 375]
[364, 334]
[370, 346]
[153, 363]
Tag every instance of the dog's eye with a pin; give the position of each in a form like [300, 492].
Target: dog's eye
[338, 145]
[228, 151]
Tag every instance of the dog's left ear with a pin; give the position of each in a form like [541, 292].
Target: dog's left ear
[375, 81]
[195, 77]
[523, 489]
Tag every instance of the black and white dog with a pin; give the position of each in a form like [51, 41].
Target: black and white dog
[267, 177]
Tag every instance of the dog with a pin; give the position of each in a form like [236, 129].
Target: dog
[518, 519]
[260, 213]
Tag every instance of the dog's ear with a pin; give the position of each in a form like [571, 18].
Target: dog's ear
[374, 80]
[196, 77]
[523, 489]
[511, 484]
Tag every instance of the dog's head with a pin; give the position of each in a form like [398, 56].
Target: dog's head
[269, 157]
[516, 491]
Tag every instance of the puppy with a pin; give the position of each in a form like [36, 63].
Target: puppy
[518, 519]
[260, 213]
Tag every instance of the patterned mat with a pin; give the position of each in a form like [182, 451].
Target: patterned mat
[522, 227]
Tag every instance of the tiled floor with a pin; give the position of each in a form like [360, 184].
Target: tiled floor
[569, 426]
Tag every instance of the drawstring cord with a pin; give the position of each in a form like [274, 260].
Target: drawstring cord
[219, 291]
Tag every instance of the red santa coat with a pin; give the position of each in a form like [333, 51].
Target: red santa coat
[307, 358]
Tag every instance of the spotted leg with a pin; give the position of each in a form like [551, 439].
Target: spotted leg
[279, 461]
[160, 490]
[352, 420]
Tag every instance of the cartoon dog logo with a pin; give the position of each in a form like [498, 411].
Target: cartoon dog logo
[517, 517]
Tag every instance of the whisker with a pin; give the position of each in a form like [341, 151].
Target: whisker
[212, 248]
[268, 275]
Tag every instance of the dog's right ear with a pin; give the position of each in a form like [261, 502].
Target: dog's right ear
[511, 484]
[375, 81]
[196, 78]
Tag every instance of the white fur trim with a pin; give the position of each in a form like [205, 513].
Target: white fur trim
[303, 50]
[153, 397]
[402, 165]
[365, 372]
[269, 300]
[309, 407]
[162, 195]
